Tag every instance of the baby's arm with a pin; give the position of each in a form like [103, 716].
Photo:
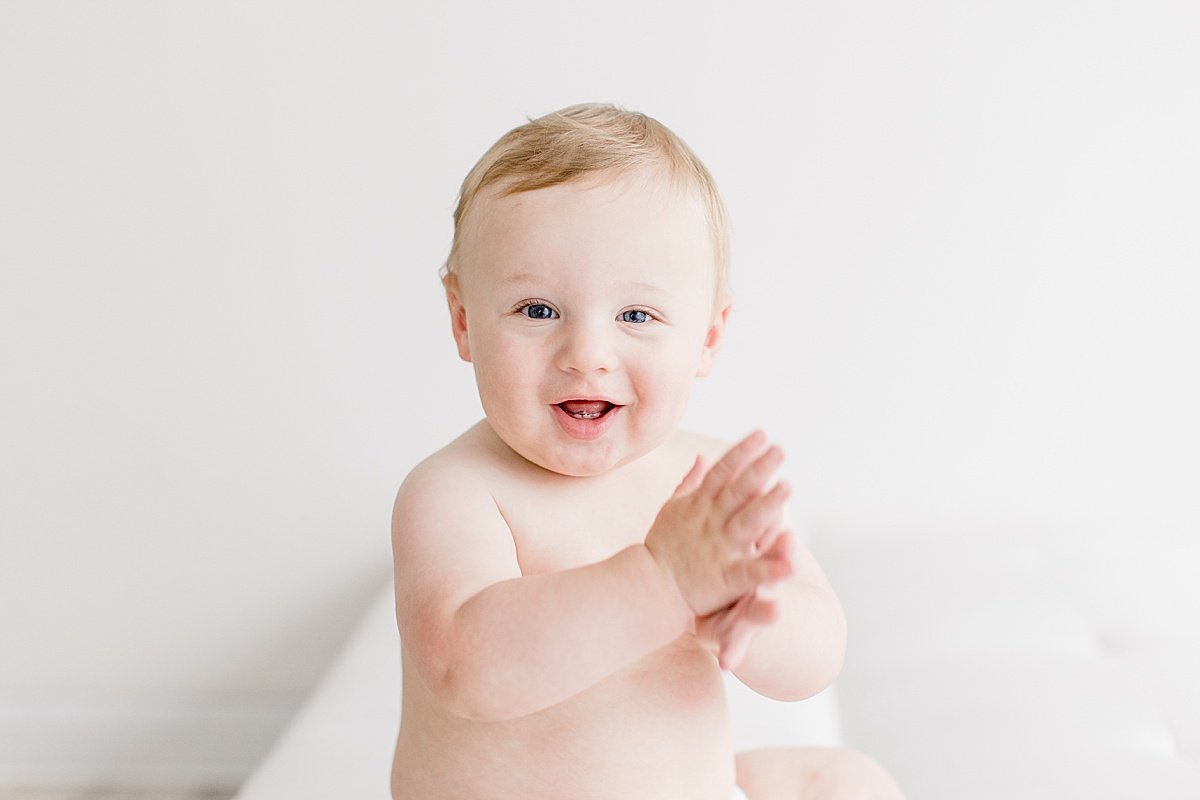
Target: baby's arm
[800, 651]
[492, 644]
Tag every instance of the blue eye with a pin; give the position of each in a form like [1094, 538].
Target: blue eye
[635, 315]
[537, 311]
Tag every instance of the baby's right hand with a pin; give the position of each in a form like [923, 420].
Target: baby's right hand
[704, 536]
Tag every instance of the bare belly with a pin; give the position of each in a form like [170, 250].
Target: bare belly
[658, 730]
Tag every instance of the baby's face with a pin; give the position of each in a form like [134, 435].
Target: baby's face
[587, 310]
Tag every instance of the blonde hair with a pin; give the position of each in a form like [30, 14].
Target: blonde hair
[587, 139]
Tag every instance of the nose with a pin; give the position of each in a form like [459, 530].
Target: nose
[586, 348]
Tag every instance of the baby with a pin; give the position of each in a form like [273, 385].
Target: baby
[573, 572]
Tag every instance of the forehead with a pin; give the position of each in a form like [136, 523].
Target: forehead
[639, 228]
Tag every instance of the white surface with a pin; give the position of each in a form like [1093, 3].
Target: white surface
[1033, 663]
[84, 740]
[965, 251]
[340, 744]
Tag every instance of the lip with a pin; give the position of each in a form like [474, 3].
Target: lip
[586, 430]
[589, 398]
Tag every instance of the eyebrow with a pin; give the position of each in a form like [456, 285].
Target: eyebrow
[529, 277]
[520, 277]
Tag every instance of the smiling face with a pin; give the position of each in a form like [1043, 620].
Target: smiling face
[587, 310]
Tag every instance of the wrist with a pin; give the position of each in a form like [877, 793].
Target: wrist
[667, 594]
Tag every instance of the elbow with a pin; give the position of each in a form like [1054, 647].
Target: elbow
[810, 683]
[463, 676]
[834, 657]
[824, 675]
[450, 681]
[837, 638]
[452, 685]
[825, 664]
[472, 689]
[463, 693]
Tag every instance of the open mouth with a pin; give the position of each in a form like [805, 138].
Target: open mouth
[586, 409]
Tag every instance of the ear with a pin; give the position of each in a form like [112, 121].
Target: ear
[458, 315]
[712, 341]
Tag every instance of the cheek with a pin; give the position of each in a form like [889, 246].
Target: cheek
[498, 369]
[683, 356]
[503, 380]
[667, 377]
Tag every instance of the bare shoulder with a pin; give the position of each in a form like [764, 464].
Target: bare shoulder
[464, 471]
[711, 447]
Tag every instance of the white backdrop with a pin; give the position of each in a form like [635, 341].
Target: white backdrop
[965, 264]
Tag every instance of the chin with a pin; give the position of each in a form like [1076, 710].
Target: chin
[574, 462]
[591, 465]
[575, 467]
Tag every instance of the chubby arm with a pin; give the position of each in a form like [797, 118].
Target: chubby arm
[492, 644]
[801, 651]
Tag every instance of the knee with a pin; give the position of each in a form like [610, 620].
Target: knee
[853, 775]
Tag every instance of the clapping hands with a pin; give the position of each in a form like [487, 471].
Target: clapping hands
[722, 536]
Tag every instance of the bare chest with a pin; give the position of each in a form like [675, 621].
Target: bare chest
[560, 531]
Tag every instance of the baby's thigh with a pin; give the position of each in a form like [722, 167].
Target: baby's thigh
[814, 773]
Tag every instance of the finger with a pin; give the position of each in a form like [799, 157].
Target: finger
[762, 611]
[716, 622]
[781, 548]
[724, 632]
[733, 462]
[768, 568]
[692, 479]
[775, 564]
[754, 615]
[780, 553]
[758, 517]
[731, 655]
[752, 480]
[727, 630]
[765, 541]
[710, 628]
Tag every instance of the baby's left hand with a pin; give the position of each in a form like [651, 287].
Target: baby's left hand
[727, 633]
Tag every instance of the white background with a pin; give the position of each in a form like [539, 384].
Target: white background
[965, 260]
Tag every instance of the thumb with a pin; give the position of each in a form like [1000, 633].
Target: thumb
[741, 624]
[692, 480]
